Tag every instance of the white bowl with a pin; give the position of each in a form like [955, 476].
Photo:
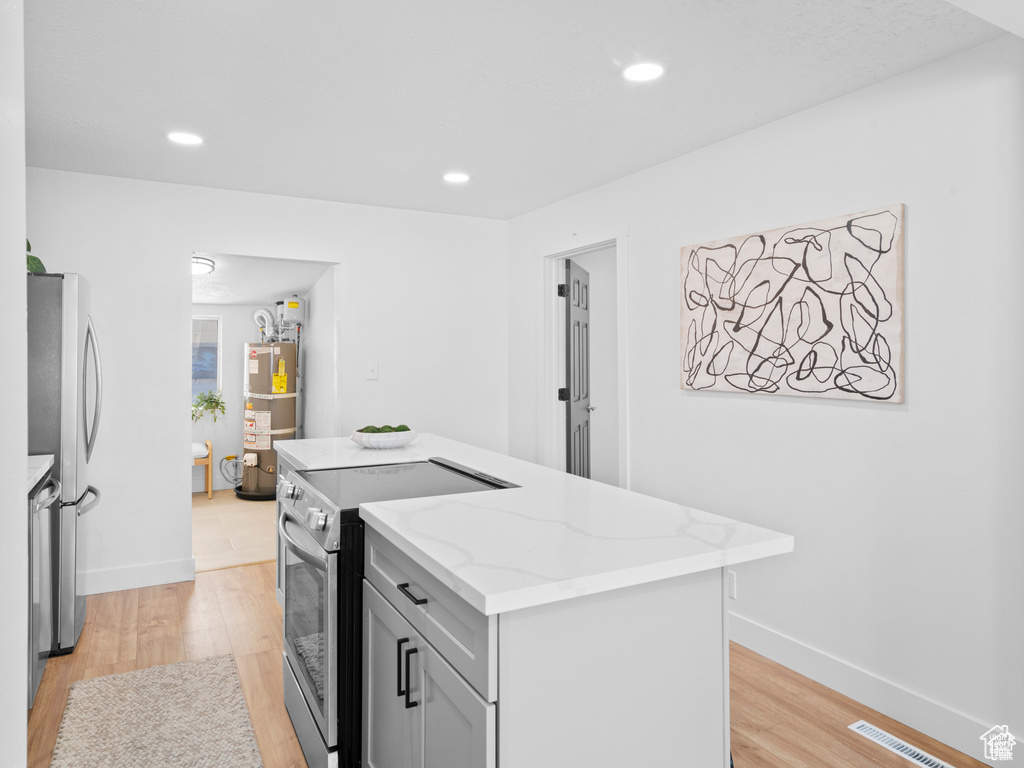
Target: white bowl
[383, 439]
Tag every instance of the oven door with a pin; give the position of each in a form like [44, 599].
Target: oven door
[311, 621]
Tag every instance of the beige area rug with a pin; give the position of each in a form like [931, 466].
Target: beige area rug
[186, 715]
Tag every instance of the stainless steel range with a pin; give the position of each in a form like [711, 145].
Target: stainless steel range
[319, 525]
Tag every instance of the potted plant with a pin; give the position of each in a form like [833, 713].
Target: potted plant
[207, 402]
[32, 262]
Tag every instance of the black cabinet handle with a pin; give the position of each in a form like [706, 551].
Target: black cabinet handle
[404, 589]
[408, 684]
[401, 642]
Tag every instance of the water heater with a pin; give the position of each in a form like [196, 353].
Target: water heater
[269, 415]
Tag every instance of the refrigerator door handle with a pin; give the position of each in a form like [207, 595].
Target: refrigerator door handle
[95, 500]
[91, 343]
[53, 485]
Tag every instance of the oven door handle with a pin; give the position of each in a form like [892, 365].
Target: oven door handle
[318, 561]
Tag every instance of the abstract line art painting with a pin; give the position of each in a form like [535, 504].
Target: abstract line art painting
[814, 310]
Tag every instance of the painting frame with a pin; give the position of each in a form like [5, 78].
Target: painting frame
[811, 310]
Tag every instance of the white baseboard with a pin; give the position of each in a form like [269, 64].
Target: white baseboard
[956, 729]
[135, 576]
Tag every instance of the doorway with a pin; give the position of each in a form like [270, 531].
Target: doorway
[600, 359]
[229, 531]
[604, 256]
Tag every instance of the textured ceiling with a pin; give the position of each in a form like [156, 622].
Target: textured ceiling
[254, 281]
[372, 102]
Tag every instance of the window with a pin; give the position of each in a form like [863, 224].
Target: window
[205, 354]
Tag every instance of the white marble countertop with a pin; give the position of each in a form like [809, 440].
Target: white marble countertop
[555, 537]
[37, 466]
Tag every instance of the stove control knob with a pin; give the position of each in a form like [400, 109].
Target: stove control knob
[317, 518]
[290, 490]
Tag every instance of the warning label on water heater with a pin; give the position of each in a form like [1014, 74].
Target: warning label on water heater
[256, 442]
[256, 423]
[280, 383]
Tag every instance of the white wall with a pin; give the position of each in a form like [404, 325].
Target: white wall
[320, 349]
[237, 329]
[14, 542]
[907, 582]
[408, 297]
[1008, 14]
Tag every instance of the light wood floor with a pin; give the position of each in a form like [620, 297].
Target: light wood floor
[229, 531]
[784, 720]
[779, 718]
[233, 610]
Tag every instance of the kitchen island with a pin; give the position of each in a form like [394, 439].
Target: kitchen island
[563, 622]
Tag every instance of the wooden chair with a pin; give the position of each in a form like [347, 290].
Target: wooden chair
[203, 454]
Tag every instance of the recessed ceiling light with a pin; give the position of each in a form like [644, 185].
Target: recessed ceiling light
[184, 138]
[202, 265]
[456, 177]
[643, 72]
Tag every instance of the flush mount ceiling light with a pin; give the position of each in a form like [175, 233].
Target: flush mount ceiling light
[456, 177]
[189, 139]
[202, 265]
[643, 72]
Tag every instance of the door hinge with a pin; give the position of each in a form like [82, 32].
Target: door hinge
[563, 394]
[563, 290]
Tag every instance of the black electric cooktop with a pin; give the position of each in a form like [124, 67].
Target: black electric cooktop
[348, 487]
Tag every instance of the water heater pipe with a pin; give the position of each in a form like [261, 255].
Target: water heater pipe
[265, 320]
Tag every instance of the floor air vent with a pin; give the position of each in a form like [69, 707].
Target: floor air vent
[900, 747]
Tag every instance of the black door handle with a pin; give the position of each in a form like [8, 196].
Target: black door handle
[404, 589]
[398, 672]
[408, 684]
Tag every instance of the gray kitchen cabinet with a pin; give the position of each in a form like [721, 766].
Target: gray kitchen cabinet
[458, 725]
[648, 661]
[418, 711]
[466, 638]
[389, 727]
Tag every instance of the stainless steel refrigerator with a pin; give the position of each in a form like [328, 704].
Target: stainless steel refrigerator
[65, 392]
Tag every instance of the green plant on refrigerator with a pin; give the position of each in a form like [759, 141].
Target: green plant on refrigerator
[32, 262]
